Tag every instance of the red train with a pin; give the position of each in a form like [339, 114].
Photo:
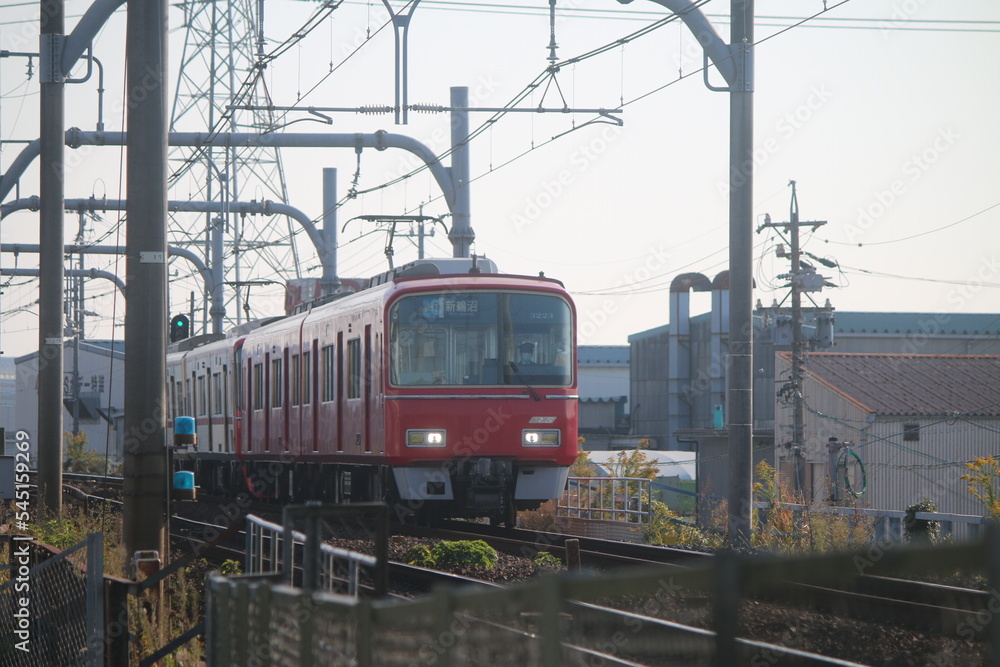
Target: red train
[445, 388]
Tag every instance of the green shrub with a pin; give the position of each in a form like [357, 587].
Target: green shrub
[231, 567]
[421, 556]
[546, 561]
[920, 530]
[666, 527]
[465, 553]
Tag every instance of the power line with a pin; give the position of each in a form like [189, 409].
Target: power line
[919, 234]
[880, 274]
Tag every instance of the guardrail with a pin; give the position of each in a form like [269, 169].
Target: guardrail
[338, 570]
[623, 499]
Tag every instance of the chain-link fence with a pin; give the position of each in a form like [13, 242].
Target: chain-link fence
[51, 608]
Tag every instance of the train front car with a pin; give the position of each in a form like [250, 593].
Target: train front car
[480, 394]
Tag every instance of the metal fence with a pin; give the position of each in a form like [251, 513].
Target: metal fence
[623, 499]
[672, 616]
[339, 570]
[52, 613]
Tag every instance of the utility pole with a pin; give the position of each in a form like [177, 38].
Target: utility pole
[146, 475]
[735, 62]
[50, 261]
[740, 359]
[801, 280]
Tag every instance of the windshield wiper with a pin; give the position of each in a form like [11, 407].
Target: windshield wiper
[534, 394]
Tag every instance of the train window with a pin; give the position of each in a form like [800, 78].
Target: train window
[217, 394]
[306, 378]
[296, 381]
[276, 383]
[202, 395]
[258, 386]
[237, 380]
[472, 338]
[354, 368]
[329, 378]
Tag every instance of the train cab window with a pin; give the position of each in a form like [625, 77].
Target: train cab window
[474, 338]
[329, 374]
[296, 380]
[276, 383]
[354, 368]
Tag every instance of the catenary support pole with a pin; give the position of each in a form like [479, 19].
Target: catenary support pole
[50, 261]
[740, 359]
[329, 279]
[145, 475]
[461, 234]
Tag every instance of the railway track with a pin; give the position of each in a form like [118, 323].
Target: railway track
[591, 629]
[594, 552]
[933, 608]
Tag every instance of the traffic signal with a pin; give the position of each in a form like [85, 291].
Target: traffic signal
[180, 327]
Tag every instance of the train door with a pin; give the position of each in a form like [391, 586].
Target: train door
[226, 410]
[366, 380]
[210, 408]
[253, 380]
[286, 408]
[339, 390]
[268, 380]
[313, 398]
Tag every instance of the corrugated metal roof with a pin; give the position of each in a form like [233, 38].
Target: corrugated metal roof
[964, 324]
[912, 384]
[603, 355]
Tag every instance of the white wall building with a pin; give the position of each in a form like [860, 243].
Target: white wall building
[8, 406]
[100, 366]
[603, 383]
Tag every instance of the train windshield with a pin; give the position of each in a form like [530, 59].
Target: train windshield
[472, 338]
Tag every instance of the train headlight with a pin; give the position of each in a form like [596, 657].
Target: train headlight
[540, 438]
[426, 438]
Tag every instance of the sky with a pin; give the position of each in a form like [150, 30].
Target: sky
[882, 111]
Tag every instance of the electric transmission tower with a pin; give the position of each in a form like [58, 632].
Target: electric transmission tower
[218, 69]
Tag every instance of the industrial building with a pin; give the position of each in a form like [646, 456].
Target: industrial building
[678, 370]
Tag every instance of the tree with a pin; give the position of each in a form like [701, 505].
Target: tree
[79, 459]
[983, 484]
[582, 466]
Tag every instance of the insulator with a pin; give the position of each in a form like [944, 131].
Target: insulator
[427, 108]
[375, 110]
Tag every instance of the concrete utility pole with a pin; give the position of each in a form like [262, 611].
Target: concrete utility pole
[146, 475]
[740, 359]
[735, 63]
[50, 261]
[798, 285]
